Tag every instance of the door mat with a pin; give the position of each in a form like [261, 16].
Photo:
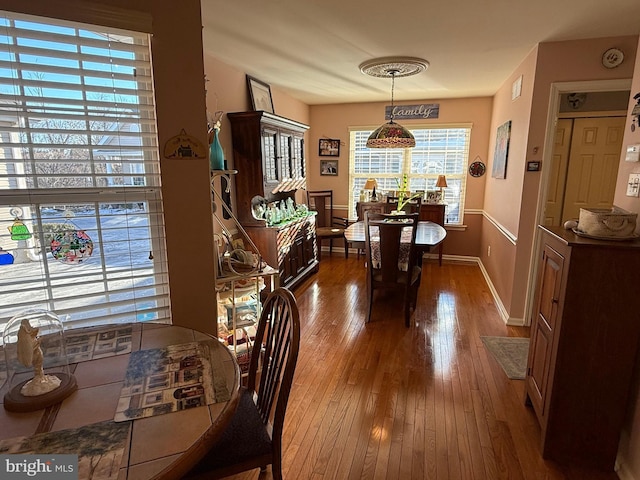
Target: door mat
[511, 353]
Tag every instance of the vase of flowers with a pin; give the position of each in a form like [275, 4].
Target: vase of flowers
[404, 195]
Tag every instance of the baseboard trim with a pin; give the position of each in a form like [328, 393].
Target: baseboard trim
[496, 298]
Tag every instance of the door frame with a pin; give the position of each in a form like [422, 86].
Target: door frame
[557, 89]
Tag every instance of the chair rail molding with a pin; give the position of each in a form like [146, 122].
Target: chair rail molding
[501, 228]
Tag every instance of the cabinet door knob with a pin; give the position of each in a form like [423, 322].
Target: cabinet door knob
[554, 300]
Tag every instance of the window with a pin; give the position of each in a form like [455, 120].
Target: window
[81, 224]
[438, 151]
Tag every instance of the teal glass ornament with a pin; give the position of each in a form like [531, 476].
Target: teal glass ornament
[216, 154]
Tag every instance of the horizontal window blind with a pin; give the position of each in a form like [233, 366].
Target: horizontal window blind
[439, 151]
[79, 172]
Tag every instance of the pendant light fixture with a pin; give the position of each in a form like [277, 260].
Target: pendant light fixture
[392, 134]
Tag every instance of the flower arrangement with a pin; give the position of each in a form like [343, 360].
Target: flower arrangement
[403, 197]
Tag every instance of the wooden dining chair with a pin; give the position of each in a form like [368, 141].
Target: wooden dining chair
[327, 225]
[412, 206]
[253, 439]
[390, 247]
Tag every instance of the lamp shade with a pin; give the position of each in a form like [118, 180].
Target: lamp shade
[371, 184]
[442, 181]
[391, 135]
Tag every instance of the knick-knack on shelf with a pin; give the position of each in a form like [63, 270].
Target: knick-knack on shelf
[216, 154]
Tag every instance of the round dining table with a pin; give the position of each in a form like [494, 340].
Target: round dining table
[152, 399]
[428, 235]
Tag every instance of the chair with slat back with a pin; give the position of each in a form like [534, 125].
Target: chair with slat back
[413, 206]
[253, 439]
[327, 225]
[392, 263]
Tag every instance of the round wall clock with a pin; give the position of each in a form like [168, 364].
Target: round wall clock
[477, 169]
[612, 57]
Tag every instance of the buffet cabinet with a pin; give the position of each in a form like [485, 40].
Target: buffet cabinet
[584, 339]
[268, 154]
[292, 247]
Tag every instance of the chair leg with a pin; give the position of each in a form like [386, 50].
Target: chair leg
[330, 246]
[370, 295]
[346, 249]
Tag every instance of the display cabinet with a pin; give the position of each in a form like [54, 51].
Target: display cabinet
[585, 334]
[268, 153]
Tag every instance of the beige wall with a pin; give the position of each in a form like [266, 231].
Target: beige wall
[503, 197]
[511, 204]
[227, 91]
[333, 121]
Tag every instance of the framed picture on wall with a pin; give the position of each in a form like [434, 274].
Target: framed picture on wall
[260, 94]
[501, 153]
[329, 147]
[328, 167]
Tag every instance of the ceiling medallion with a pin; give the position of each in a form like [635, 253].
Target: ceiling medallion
[397, 66]
[391, 134]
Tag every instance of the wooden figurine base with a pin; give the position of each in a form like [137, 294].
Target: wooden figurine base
[14, 401]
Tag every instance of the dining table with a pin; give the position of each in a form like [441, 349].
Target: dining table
[428, 235]
[151, 400]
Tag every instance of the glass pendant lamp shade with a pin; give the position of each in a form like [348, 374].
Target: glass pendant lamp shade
[391, 135]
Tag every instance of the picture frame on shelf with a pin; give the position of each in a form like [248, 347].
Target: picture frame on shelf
[329, 147]
[434, 196]
[260, 94]
[329, 167]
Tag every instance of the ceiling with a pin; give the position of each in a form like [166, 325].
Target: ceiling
[311, 49]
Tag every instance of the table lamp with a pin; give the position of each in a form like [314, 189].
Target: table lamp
[441, 183]
[371, 184]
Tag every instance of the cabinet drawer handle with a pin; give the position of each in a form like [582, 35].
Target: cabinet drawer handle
[554, 300]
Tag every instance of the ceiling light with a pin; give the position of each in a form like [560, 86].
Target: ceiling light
[392, 134]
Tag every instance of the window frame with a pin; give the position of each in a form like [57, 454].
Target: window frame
[454, 193]
[129, 179]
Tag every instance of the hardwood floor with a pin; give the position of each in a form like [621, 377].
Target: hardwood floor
[383, 401]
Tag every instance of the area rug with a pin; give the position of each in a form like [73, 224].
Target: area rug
[511, 353]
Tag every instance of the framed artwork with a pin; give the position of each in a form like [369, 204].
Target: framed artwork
[434, 196]
[260, 94]
[328, 167]
[501, 153]
[328, 147]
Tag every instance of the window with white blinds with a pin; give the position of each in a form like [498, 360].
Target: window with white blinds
[439, 150]
[81, 224]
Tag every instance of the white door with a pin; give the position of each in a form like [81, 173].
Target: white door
[586, 157]
[558, 176]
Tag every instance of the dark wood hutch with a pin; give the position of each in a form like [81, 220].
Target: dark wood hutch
[268, 153]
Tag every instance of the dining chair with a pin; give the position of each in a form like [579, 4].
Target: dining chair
[390, 247]
[413, 206]
[327, 225]
[253, 439]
